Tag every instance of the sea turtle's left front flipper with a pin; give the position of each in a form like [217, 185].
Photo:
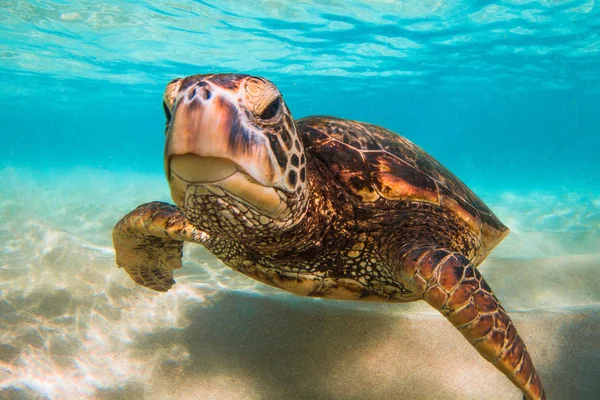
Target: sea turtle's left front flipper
[450, 283]
[149, 241]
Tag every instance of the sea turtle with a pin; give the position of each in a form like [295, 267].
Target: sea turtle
[321, 207]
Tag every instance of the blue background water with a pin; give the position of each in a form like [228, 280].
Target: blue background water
[506, 94]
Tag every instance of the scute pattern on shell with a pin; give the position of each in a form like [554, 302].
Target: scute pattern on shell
[375, 163]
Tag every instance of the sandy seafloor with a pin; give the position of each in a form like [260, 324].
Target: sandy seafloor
[74, 326]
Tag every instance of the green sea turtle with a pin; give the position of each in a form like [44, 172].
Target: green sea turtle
[321, 207]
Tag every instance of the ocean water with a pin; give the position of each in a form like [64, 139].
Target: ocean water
[506, 94]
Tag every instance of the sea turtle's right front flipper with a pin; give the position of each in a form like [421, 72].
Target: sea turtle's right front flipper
[149, 241]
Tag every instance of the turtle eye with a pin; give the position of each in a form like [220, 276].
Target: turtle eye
[272, 109]
[167, 113]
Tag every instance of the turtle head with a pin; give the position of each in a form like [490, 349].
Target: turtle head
[232, 154]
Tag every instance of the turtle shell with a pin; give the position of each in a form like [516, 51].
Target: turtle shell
[375, 163]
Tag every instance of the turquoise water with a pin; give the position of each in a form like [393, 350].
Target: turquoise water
[505, 94]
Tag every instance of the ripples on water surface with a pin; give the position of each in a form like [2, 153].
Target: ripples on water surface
[506, 94]
[518, 43]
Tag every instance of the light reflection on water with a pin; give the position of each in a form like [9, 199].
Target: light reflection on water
[521, 44]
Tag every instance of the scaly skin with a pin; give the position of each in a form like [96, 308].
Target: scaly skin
[149, 242]
[449, 283]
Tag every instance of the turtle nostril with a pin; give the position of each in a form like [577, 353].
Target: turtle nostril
[201, 91]
[191, 94]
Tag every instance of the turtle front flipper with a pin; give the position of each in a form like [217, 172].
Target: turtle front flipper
[149, 242]
[450, 283]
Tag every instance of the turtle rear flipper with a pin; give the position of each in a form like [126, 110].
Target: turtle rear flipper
[149, 242]
[449, 282]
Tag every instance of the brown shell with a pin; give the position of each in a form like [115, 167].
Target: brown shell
[375, 163]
